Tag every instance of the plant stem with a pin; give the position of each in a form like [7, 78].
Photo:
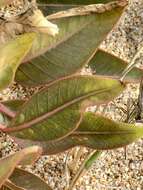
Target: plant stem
[6, 110]
[87, 163]
[131, 64]
[77, 156]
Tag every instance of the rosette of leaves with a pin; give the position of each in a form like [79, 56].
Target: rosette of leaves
[55, 117]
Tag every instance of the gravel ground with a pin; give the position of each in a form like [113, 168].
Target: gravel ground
[115, 169]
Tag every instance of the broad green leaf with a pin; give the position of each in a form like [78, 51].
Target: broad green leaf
[108, 134]
[80, 2]
[95, 132]
[9, 185]
[69, 51]
[108, 65]
[56, 111]
[92, 123]
[48, 9]
[28, 180]
[55, 7]
[13, 105]
[11, 55]
[8, 164]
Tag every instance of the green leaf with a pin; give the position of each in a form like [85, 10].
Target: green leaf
[13, 105]
[11, 55]
[48, 9]
[95, 132]
[132, 64]
[101, 132]
[56, 6]
[69, 51]
[9, 185]
[28, 180]
[108, 65]
[8, 164]
[90, 161]
[107, 133]
[56, 111]
[90, 158]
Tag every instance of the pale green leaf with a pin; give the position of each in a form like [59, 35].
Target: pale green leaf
[108, 65]
[54, 57]
[28, 180]
[8, 164]
[96, 132]
[11, 55]
[56, 111]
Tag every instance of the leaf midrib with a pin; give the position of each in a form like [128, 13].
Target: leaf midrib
[53, 112]
[80, 133]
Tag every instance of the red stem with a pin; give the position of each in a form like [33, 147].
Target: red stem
[6, 110]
